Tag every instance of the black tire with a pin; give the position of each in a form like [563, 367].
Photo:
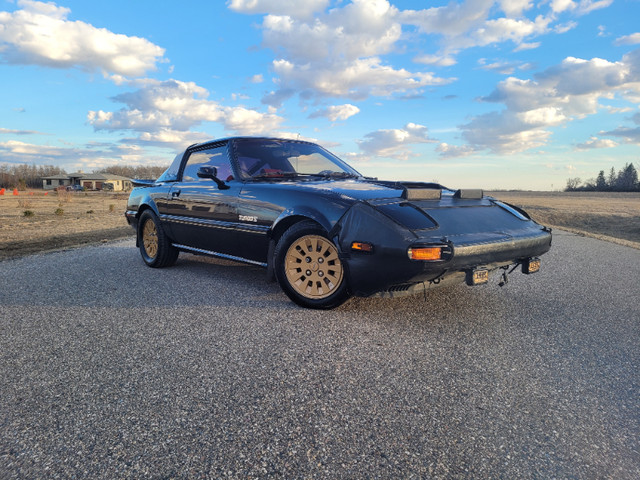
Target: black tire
[308, 269]
[155, 246]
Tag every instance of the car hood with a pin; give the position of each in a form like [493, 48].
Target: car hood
[354, 189]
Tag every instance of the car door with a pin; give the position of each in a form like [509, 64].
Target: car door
[259, 205]
[203, 215]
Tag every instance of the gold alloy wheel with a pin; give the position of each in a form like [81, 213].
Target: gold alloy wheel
[150, 238]
[312, 267]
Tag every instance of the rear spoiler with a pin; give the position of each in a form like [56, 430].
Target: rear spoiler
[142, 183]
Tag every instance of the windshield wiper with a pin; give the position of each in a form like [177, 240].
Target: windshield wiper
[328, 174]
[331, 174]
[274, 175]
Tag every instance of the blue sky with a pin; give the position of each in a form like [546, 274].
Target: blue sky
[492, 94]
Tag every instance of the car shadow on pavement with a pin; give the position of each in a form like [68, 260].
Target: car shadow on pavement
[113, 276]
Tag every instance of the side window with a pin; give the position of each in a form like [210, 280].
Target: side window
[212, 157]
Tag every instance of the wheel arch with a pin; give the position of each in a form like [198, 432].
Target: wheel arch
[336, 274]
[281, 225]
[141, 209]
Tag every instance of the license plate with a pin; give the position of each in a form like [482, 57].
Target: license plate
[479, 277]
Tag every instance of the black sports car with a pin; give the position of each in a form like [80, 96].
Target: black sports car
[325, 231]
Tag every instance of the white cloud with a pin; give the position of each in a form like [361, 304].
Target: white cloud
[559, 6]
[475, 23]
[442, 61]
[515, 8]
[341, 52]
[542, 117]
[503, 133]
[627, 134]
[447, 150]
[554, 97]
[504, 68]
[9, 131]
[527, 46]
[356, 80]
[595, 142]
[41, 34]
[14, 147]
[394, 143]
[466, 25]
[507, 29]
[75, 158]
[336, 112]
[588, 6]
[292, 8]
[245, 121]
[166, 137]
[632, 39]
[452, 20]
[338, 53]
[166, 111]
[611, 109]
[565, 27]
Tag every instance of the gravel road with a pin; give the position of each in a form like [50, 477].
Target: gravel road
[110, 369]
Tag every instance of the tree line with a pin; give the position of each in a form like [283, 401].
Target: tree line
[626, 180]
[137, 172]
[30, 176]
[26, 176]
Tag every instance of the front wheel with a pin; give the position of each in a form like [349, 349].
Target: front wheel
[308, 268]
[155, 247]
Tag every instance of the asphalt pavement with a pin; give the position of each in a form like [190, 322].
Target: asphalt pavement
[110, 369]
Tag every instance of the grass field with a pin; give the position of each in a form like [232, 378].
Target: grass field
[58, 220]
[64, 219]
[611, 216]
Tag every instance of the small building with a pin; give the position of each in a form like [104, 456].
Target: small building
[55, 181]
[90, 181]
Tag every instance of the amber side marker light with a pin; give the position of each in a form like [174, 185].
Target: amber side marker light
[362, 247]
[425, 253]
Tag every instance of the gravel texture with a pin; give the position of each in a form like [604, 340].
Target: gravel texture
[110, 369]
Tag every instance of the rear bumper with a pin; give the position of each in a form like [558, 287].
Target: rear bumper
[132, 218]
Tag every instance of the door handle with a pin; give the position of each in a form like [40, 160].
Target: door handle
[175, 193]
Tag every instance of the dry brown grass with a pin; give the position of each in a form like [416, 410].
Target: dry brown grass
[65, 196]
[49, 229]
[25, 203]
[612, 216]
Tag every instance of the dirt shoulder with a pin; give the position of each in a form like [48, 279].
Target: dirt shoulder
[613, 216]
[33, 222]
[63, 220]
[58, 242]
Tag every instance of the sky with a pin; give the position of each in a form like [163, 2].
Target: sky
[509, 94]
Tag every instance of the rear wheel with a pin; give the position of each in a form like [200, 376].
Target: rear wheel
[308, 268]
[155, 247]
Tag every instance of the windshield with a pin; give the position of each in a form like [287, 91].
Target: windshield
[269, 158]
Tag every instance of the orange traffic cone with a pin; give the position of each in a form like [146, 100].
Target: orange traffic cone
[1, 191]
[15, 191]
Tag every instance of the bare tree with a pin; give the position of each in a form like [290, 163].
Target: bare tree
[573, 184]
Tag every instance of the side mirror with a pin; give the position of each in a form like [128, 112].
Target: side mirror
[212, 173]
[208, 172]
